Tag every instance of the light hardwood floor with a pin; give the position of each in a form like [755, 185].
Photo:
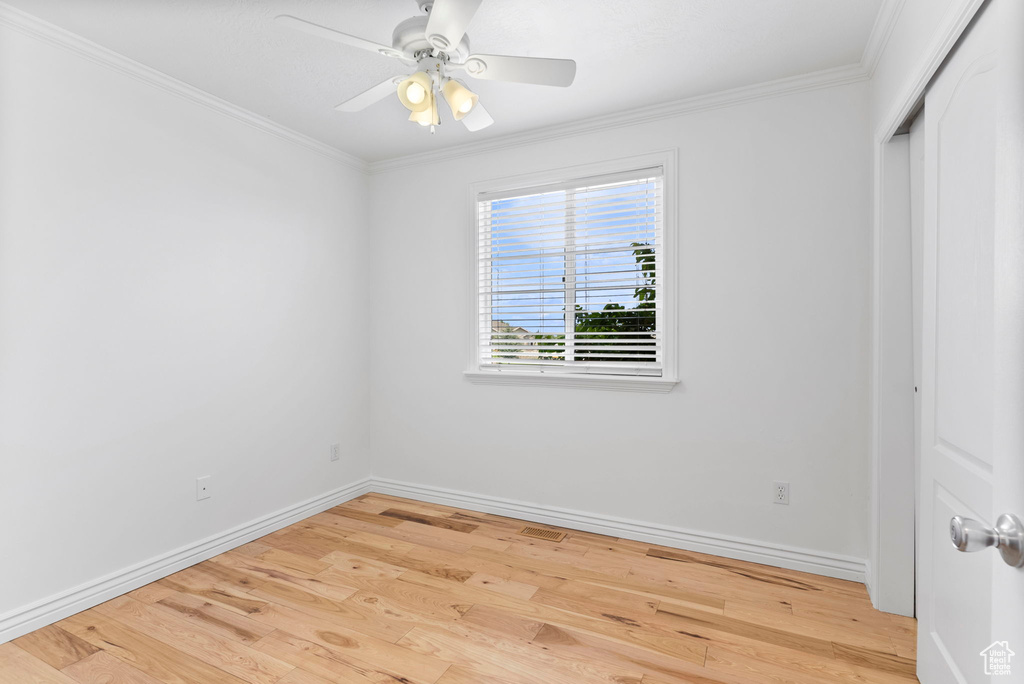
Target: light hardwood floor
[386, 591]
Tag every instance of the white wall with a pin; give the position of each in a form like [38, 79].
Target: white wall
[180, 295]
[774, 348]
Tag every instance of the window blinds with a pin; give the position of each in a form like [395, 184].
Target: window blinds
[570, 276]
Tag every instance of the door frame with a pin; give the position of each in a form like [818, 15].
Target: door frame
[891, 575]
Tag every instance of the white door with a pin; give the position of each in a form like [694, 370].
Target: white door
[972, 413]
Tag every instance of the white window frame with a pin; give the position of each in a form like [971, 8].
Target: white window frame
[668, 265]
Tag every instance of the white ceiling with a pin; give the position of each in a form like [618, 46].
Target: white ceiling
[630, 53]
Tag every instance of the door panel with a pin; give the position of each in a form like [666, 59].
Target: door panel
[955, 601]
[958, 618]
[965, 188]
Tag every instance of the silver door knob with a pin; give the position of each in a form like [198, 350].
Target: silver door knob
[1007, 536]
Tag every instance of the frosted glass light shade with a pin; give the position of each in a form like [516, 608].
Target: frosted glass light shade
[429, 116]
[460, 99]
[415, 92]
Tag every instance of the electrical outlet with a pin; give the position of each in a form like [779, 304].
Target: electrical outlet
[202, 487]
[780, 493]
[335, 452]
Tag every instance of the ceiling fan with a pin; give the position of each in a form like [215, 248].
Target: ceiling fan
[436, 44]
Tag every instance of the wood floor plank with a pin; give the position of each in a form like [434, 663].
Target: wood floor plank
[269, 572]
[381, 542]
[398, 598]
[254, 548]
[350, 564]
[339, 612]
[432, 520]
[606, 597]
[449, 540]
[326, 664]
[368, 503]
[20, 667]
[352, 643]
[384, 590]
[706, 677]
[651, 663]
[458, 674]
[55, 647]
[749, 584]
[876, 660]
[509, 658]
[407, 533]
[501, 585]
[502, 622]
[474, 564]
[151, 593]
[151, 656]
[376, 518]
[207, 588]
[701, 624]
[212, 617]
[773, 665]
[425, 507]
[563, 571]
[617, 628]
[293, 561]
[404, 559]
[177, 632]
[905, 647]
[299, 676]
[488, 520]
[721, 589]
[869, 636]
[103, 668]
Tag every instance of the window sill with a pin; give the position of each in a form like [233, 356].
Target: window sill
[623, 383]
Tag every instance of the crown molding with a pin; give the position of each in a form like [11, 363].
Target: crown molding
[881, 32]
[726, 98]
[35, 27]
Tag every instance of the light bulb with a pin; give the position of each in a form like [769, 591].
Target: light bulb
[415, 93]
[466, 106]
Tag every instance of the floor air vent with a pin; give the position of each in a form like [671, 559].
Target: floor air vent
[541, 533]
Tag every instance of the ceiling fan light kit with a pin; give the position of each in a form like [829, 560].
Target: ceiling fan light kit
[460, 98]
[436, 44]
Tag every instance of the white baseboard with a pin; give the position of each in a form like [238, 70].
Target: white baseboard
[777, 555]
[51, 609]
[59, 606]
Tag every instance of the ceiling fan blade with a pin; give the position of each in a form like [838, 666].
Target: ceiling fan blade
[448, 22]
[368, 97]
[477, 119]
[338, 37]
[535, 70]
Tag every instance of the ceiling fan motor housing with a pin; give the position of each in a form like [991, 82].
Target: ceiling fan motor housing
[410, 37]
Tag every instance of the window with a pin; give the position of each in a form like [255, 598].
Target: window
[571, 281]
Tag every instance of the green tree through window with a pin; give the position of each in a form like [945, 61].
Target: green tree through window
[634, 327]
